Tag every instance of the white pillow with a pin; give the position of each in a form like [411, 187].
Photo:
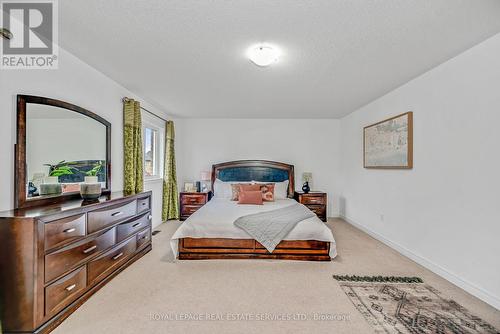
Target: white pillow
[223, 189]
[280, 189]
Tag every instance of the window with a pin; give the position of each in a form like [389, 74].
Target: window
[150, 149]
[153, 132]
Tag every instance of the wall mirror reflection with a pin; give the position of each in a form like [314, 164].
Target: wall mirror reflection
[65, 146]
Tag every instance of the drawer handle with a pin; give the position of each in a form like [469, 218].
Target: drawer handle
[69, 230]
[144, 237]
[144, 203]
[136, 224]
[150, 217]
[71, 287]
[90, 249]
[116, 214]
[116, 257]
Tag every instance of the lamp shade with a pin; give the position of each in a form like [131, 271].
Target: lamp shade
[205, 176]
[307, 177]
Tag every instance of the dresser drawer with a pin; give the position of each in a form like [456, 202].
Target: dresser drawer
[188, 210]
[73, 255]
[143, 204]
[187, 199]
[99, 219]
[143, 237]
[311, 199]
[101, 266]
[65, 290]
[62, 231]
[124, 230]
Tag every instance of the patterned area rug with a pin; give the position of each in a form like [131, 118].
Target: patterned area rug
[391, 306]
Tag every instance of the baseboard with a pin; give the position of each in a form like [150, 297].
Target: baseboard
[435, 268]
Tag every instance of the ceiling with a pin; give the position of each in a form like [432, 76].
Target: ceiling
[188, 57]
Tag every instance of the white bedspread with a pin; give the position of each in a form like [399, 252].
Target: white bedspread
[215, 220]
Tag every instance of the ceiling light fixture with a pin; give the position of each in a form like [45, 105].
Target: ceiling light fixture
[5, 33]
[263, 55]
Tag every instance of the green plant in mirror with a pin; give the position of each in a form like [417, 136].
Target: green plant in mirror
[94, 171]
[60, 169]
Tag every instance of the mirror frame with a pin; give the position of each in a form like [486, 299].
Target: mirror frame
[21, 201]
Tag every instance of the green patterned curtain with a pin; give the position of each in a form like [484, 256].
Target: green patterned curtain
[133, 157]
[170, 193]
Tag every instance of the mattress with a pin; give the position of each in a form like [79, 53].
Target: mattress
[216, 220]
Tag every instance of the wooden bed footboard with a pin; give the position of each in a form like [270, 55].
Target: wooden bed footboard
[223, 248]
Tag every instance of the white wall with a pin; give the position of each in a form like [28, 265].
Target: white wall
[445, 212]
[74, 82]
[309, 145]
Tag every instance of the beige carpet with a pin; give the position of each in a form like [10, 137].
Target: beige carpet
[242, 296]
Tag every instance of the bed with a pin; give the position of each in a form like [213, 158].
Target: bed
[209, 233]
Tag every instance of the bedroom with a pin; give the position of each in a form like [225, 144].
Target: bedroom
[336, 70]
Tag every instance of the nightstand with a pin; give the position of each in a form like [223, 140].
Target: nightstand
[315, 201]
[190, 202]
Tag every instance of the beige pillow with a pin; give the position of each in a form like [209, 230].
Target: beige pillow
[235, 187]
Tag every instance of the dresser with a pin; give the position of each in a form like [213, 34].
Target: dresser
[190, 202]
[316, 201]
[54, 257]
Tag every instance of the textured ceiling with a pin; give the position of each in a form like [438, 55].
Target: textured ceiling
[188, 57]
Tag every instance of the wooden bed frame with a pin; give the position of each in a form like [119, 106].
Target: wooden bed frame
[224, 248]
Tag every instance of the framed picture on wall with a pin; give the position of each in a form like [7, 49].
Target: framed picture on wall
[189, 187]
[388, 144]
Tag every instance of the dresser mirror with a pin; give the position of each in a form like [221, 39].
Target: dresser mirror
[58, 145]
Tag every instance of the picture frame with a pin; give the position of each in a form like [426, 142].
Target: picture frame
[189, 187]
[388, 144]
[206, 186]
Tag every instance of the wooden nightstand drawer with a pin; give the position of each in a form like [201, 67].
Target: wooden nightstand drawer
[188, 210]
[319, 210]
[190, 199]
[315, 201]
[191, 202]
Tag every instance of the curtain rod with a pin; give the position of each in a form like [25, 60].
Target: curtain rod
[125, 99]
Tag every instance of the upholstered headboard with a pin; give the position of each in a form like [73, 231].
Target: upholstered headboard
[255, 170]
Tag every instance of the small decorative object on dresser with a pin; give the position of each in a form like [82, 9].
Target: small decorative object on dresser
[90, 190]
[205, 178]
[50, 186]
[315, 201]
[307, 179]
[189, 187]
[192, 201]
